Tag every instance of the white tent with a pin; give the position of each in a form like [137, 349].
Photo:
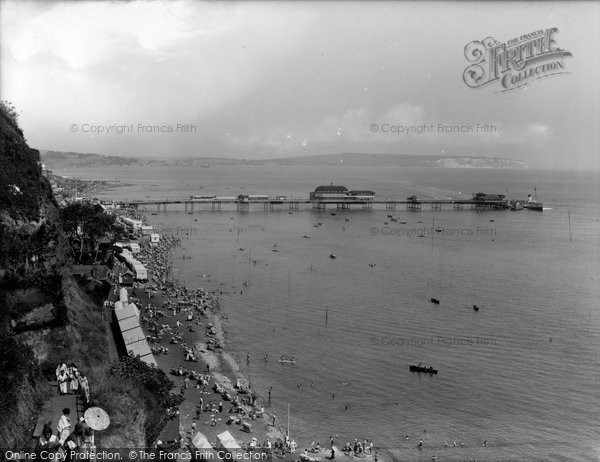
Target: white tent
[226, 442]
[201, 442]
[202, 449]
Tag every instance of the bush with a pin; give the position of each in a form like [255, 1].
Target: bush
[156, 392]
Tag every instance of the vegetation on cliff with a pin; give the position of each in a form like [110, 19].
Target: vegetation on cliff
[46, 317]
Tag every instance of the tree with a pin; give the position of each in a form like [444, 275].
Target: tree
[10, 111]
[86, 223]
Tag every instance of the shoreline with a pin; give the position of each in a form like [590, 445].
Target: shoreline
[225, 371]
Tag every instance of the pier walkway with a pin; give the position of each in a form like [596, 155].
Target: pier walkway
[190, 205]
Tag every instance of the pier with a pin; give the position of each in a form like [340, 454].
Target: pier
[294, 204]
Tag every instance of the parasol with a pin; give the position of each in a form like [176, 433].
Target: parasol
[97, 418]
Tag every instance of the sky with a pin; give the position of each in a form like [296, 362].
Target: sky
[256, 80]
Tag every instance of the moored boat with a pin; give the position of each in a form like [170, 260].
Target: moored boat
[422, 369]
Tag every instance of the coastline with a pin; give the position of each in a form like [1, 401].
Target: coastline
[224, 375]
[209, 350]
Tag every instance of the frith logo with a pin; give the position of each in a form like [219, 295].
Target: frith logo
[514, 63]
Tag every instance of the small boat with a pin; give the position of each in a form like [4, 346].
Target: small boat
[422, 369]
[435, 301]
[287, 359]
[306, 236]
[476, 307]
[333, 256]
[394, 219]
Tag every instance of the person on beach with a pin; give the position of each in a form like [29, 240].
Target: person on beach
[220, 406]
[270, 394]
[266, 357]
[248, 357]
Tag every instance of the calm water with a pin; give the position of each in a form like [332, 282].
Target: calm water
[522, 373]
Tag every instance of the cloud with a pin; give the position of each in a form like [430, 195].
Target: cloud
[538, 129]
[89, 33]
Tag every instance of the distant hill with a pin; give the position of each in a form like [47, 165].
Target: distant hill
[60, 159]
[401, 160]
[63, 160]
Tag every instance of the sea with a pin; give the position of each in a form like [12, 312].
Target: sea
[522, 374]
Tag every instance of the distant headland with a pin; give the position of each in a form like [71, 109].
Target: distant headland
[65, 160]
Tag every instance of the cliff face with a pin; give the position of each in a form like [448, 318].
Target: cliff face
[46, 318]
[23, 190]
[33, 255]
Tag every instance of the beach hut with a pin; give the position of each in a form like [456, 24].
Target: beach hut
[125, 312]
[142, 350]
[126, 324]
[134, 309]
[202, 450]
[123, 295]
[126, 279]
[118, 305]
[141, 274]
[133, 336]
